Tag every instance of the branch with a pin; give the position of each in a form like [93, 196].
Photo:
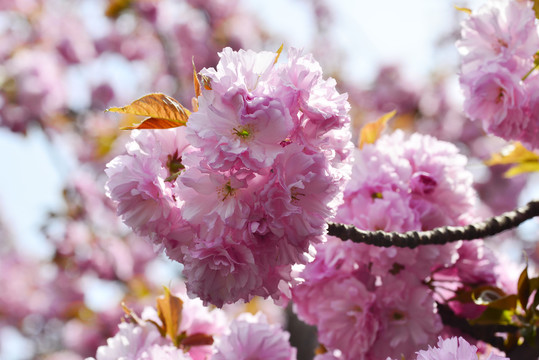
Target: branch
[438, 236]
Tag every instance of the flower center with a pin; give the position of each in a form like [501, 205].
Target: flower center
[243, 132]
[225, 191]
[377, 195]
[174, 165]
[397, 315]
[500, 96]
[295, 194]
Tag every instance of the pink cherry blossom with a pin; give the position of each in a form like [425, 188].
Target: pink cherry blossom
[131, 342]
[408, 317]
[240, 126]
[397, 184]
[503, 31]
[268, 159]
[495, 96]
[529, 134]
[453, 349]
[142, 182]
[250, 336]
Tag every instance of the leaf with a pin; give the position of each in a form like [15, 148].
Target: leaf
[536, 8]
[471, 296]
[169, 310]
[463, 9]
[524, 287]
[164, 112]
[492, 316]
[534, 284]
[153, 123]
[279, 51]
[198, 90]
[521, 169]
[524, 160]
[372, 131]
[535, 303]
[116, 7]
[508, 302]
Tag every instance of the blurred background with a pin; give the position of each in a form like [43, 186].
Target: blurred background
[66, 261]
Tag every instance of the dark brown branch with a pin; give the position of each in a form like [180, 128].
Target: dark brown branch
[438, 236]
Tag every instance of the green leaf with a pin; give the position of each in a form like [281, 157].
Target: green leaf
[470, 296]
[529, 333]
[508, 302]
[534, 284]
[536, 8]
[164, 112]
[493, 316]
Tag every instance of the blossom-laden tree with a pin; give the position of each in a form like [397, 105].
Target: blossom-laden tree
[264, 187]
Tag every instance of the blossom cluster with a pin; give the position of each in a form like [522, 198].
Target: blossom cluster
[241, 192]
[455, 348]
[369, 302]
[202, 334]
[498, 73]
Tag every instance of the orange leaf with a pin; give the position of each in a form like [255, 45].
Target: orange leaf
[169, 309]
[523, 160]
[372, 131]
[164, 112]
[116, 7]
[198, 91]
[279, 51]
[463, 9]
[153, 123]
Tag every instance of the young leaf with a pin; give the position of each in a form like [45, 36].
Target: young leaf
[463, 9]
[372, 131]
[164, 112]
[480, 292]
[153, 123]
[169, 310]
[524, 160]
[492, 316]
[524, 288]
[279, 51]
[116, 7]
[508, 302]
[196, 83]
